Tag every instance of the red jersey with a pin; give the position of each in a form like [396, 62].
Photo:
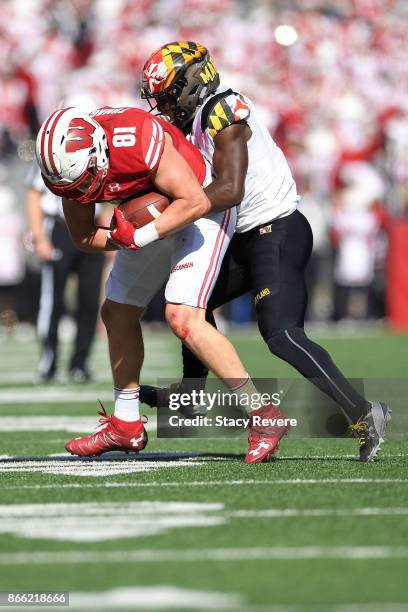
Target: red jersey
[136, 142]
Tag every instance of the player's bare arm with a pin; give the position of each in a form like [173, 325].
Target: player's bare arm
[175, 179]
[85, 234]
[230, 162]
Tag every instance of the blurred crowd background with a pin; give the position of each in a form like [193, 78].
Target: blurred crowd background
[330, 78]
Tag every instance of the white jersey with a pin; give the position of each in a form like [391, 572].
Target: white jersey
[270, 191]
[50, 203]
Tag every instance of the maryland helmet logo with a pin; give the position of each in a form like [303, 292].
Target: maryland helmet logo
[163, 67]
[155, 74]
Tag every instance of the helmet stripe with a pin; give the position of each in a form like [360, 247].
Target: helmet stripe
[46, 142]
[42, 155]
[50, 141]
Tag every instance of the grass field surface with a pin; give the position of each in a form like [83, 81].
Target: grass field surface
[186, 525]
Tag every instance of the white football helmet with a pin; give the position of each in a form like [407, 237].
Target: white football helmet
[72, 152]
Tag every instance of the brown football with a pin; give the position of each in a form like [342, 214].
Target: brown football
[143, 209]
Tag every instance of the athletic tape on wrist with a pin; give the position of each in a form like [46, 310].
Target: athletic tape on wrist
[145, 235]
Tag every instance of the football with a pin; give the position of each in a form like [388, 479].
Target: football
[143, 209]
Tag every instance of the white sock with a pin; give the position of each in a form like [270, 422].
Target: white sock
[244, 393]
[127, 404]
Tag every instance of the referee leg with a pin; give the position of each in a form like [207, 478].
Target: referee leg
[89, 267]
[53, 279]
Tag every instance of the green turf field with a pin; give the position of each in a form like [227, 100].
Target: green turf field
[186, 525]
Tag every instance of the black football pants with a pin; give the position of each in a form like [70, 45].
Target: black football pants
[270, 261]
[54, 275]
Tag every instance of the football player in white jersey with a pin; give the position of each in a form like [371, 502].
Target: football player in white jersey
[273, 241]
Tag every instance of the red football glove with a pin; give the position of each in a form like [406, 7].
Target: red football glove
[124, 233]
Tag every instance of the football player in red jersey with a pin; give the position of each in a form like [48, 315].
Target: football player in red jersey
[110, 155]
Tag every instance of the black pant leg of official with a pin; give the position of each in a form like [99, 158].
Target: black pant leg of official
[89, 267]
[278, 262]
[53, 280]
[341, 296]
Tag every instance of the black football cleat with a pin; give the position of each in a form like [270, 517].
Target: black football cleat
[370, 430]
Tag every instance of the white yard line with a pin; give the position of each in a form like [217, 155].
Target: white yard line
[48, 423]
[99, 375]
[55, 423]
[206, 483]
[281, 553]
[86, 522]
[155, 597]
[334, 457]
[317, 512]
[93, 469]
[38, 395]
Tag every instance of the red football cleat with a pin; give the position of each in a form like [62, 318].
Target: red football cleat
[117, 435]
[268, 425]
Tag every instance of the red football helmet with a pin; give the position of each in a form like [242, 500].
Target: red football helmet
[72, 152]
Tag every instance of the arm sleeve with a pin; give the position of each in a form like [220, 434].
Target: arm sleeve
[231, 109]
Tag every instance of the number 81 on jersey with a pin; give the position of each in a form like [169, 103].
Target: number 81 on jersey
[124, 136]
